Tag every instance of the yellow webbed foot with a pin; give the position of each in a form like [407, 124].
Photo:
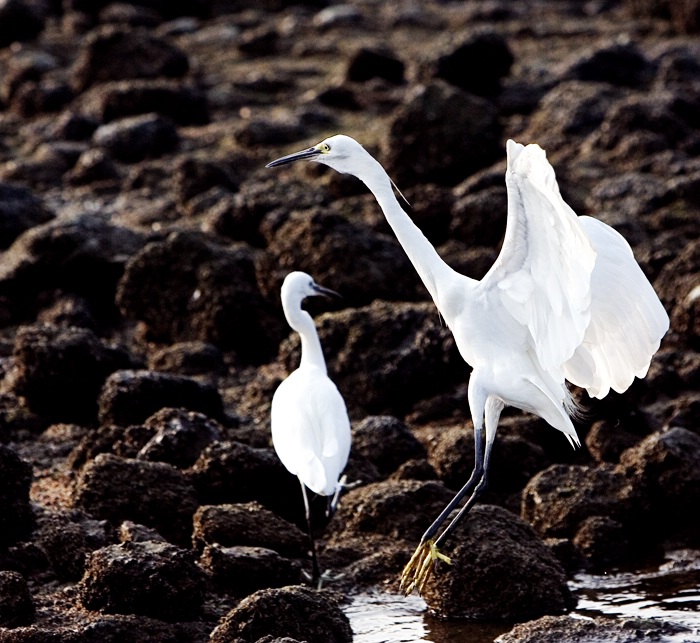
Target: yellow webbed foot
[421, 565]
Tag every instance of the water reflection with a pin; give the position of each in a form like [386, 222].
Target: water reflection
[670, 592]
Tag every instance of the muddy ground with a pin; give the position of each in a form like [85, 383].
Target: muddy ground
[142, 337]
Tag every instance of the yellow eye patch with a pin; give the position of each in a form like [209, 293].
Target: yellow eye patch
[324, 148]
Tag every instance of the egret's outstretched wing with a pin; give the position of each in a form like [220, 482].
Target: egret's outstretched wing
[627, 318]
[542, 276]
[310, 429]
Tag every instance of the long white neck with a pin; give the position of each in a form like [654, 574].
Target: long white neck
[430, 267]
[303, 323]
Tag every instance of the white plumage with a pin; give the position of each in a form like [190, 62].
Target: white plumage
[565, 299]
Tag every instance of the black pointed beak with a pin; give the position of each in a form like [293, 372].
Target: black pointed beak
[297, 156]
[327, 292]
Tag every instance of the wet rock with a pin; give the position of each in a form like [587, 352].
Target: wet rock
[153, 493]
[418, 357]
[557, 500]
[517, 579]
[129, 397]
[231, 472]
[400, 509]
[386, 442]
[359, 264]
[188, 358]
[180, 103]
[244, 570]
[136, 137]
[106, 50]
[294, 611]
[18, 22]
[152, 579]
[218, 301]
[619, 63]
[366, 64]
[67, 537]
[16, 604]
[16, 518]
[551, 629]
[413, 149]
[602, 542]
[247, 524]
[60, 371]
[667, 467]
[85, 254]
[180, 436]
[20, 209]
[476, 63]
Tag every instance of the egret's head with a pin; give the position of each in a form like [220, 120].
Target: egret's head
[298, 285]
[342, 153]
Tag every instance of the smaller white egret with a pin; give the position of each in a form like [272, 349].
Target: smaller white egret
[565, 300]
[310, 425]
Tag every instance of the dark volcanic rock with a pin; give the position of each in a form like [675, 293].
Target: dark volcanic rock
[554, 629]
[60, 371]
[294, 611]
[20, 210]
[360, 264]
[83, 254]
[16, 518]
[606, 442]
[366, 64]
[67, 537]
[418, 359]
[152, 579]
[180, 103]
[620, 64]
[476, 63]
[416, 149]
[186, 288]
[602, 542]
[400, 509]
[180, 436]
[116, 53]
[386, 442]
[667, 467]
[136, 137]
[244, 570]
[557, 500]
[247, 524]
[188, 358]
[500, 570]
[16, 605]
[153, 493]
[130, 397]
[19, 21]
[228, 472]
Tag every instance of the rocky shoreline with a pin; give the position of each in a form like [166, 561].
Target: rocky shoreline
[143, 244]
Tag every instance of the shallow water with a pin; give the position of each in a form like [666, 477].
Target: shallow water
[670, 592]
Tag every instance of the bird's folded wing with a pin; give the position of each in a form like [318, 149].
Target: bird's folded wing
[542, 276]
[627, 318]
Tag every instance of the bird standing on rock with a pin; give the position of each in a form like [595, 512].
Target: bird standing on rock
[310, 425]
[565, 300]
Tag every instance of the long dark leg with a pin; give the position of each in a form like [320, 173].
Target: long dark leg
[475, 477]
[494, 407]
[315, 572]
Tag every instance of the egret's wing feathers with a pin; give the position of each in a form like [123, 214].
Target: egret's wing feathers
[310, 429]
[627, 318]
[542, 274]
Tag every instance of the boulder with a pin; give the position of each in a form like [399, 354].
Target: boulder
[136, 138]
[16, 604]
[294, 611]
[20, 209]
[500, 570]
[16, 516]
[366, 64]
[152, 579]
[153, 493]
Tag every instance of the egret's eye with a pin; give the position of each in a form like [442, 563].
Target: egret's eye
[325, 148]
